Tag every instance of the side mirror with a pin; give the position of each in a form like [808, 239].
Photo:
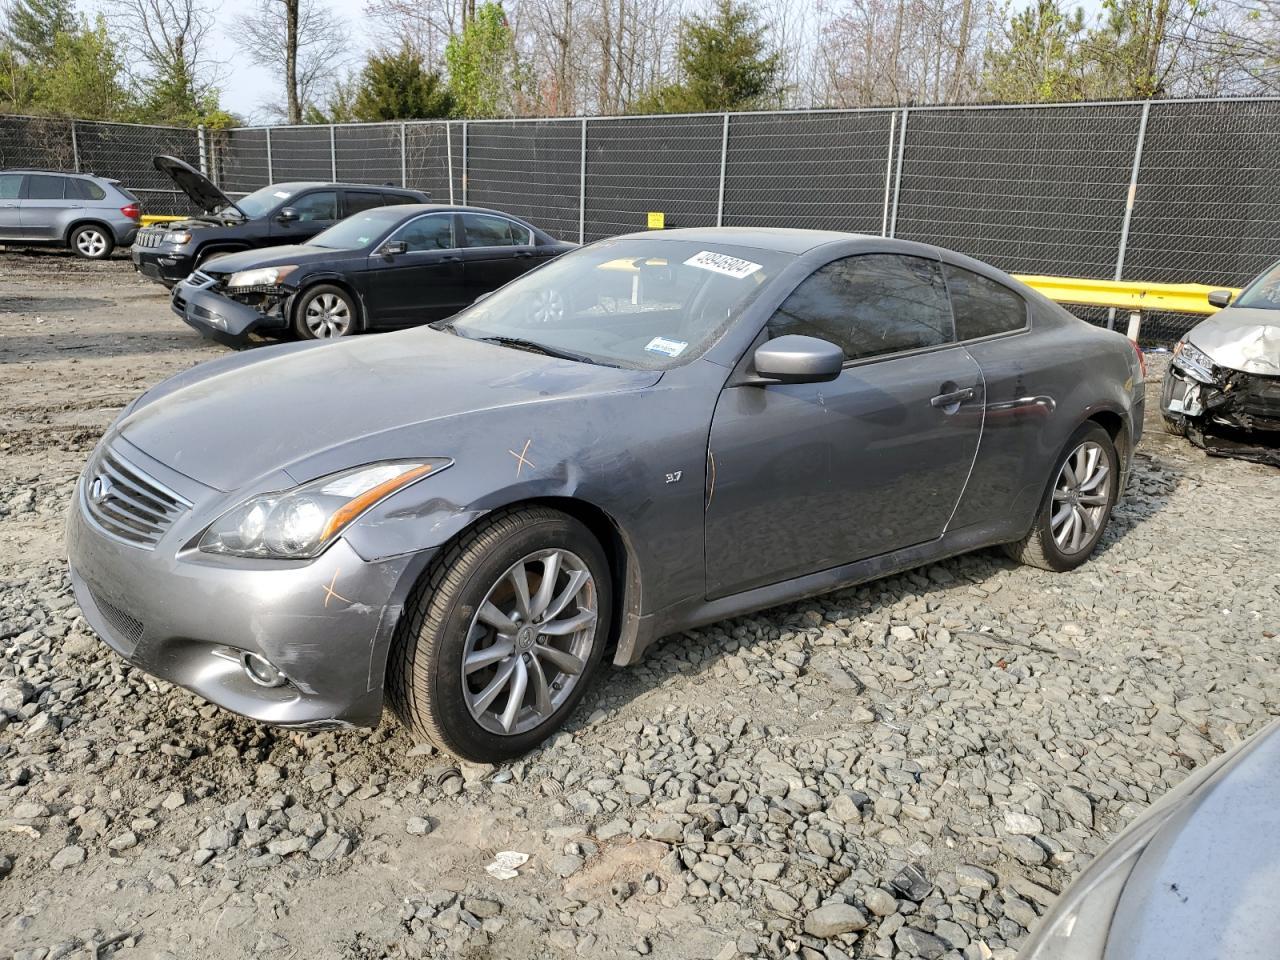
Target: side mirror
[798, 359]
[1219, 298]
[287, 215]
[393, 248]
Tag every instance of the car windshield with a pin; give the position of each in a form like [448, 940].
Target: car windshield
[1263, 293]
[258, 203]
[644, 302]
[357, 231]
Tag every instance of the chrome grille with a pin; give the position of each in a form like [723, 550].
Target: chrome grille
[126, 503]
[148, 238]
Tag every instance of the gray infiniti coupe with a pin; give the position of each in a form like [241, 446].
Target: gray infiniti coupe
[650, 433]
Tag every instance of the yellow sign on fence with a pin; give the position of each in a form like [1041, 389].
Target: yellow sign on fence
[657, 220]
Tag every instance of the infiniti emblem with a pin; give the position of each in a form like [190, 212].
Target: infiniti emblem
[100, 489]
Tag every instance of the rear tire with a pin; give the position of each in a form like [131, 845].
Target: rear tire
[484, 691]
[1076, 507]
[324, 312]
[91, 242]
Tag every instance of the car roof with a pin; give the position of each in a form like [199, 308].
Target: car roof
[58, 173]
[781, 239]
[296, 185]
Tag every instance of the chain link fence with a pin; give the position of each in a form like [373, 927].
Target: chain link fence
[1161, 190]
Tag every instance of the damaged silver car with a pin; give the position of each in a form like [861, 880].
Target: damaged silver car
[1222, 390]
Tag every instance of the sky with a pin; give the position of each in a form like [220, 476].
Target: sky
[246, 87]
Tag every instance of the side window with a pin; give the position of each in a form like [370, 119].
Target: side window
[487, 231]
[10, 186]
[983, 307]
[317, 206]
[43, 187]
[358, 201]
[396, 199]
[84, 189]
[870, 305]
[427, 233]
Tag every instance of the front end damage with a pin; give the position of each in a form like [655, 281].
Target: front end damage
[1224, 411]
[228, 316]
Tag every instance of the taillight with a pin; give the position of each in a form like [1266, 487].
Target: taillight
[1142, 361]
[131, 211]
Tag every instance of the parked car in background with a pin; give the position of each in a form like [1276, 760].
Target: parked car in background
[283, 213]
[88, 215]
[1192, 878]
[1222, 388]
[646, 434]
[388, 267]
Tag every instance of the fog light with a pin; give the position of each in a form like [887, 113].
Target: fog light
[262, 671]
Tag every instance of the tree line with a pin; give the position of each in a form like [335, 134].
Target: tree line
[153, 60]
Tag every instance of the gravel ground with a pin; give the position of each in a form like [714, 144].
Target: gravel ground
[913, 768]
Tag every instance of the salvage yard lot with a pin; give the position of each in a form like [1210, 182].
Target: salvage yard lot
[940, 752]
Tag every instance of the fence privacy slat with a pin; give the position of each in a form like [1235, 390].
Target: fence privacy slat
[1044, 189]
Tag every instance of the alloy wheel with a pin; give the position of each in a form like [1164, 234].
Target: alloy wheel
[1080, 498]
[91, 243]
[529, 642]
[327, 315]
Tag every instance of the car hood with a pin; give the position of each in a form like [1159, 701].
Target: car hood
[203, 192]
[1205, 884]
[1242, 338]
[272, 257]
[235, 420]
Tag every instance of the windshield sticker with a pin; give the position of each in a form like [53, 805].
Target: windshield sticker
[721, 263]
[668, 348]
[282, 194]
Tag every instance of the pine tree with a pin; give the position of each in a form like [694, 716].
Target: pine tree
[398, 86]
[33, 26]
[725, 64]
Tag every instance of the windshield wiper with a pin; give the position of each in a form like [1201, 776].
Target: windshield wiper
[444, 325]
[519, 343]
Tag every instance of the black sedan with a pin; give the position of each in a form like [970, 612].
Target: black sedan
[385, 268]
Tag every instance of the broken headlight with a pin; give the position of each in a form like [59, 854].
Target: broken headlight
[1195, 361]
[299, 524]
[259, 277]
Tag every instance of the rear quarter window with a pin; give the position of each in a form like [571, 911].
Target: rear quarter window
[85, 190]
[983, 307]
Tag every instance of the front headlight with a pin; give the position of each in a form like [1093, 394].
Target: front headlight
[299, 524]
[261, 277]
[178, 237]
[1195, 361]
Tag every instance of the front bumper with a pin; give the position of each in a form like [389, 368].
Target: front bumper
[161, 264]
[1225, 397]
[188, 617]
[215, 316]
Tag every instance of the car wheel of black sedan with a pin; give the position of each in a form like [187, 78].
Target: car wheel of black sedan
[324, 312]
[503, 635]
[1077, 506]
[92, 242]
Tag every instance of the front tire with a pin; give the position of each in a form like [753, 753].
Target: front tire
[92, 242]
[324, 312]
[1077, 506]
[503, 635]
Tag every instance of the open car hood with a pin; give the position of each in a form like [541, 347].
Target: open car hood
[202, 191]
[1242, 338]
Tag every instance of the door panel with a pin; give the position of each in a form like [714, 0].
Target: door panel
[44, 206]
[10, 205]
[812, 476]
[497, 250]
[424, 283]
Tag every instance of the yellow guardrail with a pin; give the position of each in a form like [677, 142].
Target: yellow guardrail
[1132, 296]
[150, 219]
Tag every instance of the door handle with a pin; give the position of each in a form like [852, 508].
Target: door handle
[450, 259]
[952, 399]
[523, 254]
